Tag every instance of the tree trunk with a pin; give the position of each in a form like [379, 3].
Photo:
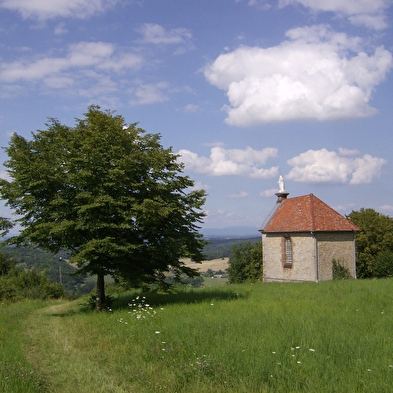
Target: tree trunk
[100, 295]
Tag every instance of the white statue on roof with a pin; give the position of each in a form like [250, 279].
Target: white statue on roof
[281, 184]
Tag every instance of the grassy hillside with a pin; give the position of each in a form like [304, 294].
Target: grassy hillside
[56, 267]
[268, 337]
[58, 270]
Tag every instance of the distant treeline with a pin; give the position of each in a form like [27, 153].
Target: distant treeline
[221, 248]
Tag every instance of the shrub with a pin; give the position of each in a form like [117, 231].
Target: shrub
[18, 285]
[340, 272]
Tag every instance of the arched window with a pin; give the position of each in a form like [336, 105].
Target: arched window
[287, 252]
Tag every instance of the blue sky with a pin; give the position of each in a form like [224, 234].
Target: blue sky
[244, 90]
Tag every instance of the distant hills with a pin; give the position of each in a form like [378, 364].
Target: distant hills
[231, 232]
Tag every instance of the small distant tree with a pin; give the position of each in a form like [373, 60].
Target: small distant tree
[376, 236]
[208, 273]
[108, 193]
[245, 263]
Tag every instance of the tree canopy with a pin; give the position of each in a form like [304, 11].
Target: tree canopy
[374, 243]
[110, 194]
[245, 263]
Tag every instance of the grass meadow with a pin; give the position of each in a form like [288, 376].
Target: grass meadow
[332, 336]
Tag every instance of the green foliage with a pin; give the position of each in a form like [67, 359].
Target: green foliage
[5, 226]
[194, 282]
[340, 272]
[56, 267]
[18, 285]
[245, 263]
[19, 281]
[211, 273]
[6, 264]
[383, 266]
[376, 235]
[107, 192]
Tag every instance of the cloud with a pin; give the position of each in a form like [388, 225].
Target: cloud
[49, 9]
[222, 162]
[348, 152]
[150, 93]
[214, 144]
[269, 193]
[83, 55]
[5, 175]
[86, 68]
[369, 13]
[60, 29]
[316, 74]
[323, 166]
[191, 108]
[242, 194]
[386, 208]
[221, 217]
[262, 4]
[156, 34]
[198, 185]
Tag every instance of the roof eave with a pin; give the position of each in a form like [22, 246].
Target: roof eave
[311, 231]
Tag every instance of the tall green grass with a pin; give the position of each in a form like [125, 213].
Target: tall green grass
[267, 337]
[16, 373]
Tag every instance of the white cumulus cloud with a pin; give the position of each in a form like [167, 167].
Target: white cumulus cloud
[156, 34]
[224, 162]
[315, 74]
[369, 13]
[324, 166]
[48, 9]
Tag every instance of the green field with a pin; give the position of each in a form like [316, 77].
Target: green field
[332, 336]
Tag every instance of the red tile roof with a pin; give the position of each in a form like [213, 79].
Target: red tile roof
[306, 214]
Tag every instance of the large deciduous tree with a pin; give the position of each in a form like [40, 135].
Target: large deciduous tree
[374, 243]
[110, 194]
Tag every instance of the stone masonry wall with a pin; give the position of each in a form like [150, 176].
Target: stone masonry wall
[329, 245]
[303, 251]
[335, 245]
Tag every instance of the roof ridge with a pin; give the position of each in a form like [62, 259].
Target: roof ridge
[312, 211]
[270, 216]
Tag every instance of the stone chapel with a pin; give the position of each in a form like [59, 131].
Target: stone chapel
[300, 238]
